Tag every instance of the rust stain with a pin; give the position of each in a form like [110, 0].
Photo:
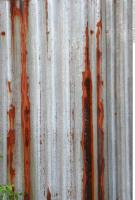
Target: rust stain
[22, 13]
[25, 103]
[15, 12]
[91, 32]
[11, 144]
[9, 86]
[87, 134]
[48, 194]
[100, 115]
[3, 33]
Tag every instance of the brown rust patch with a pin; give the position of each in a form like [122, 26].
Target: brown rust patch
[3, 33]
[22, 13]
[87, 134]
[48, 194]
[9, 86]
[11, 144]
[91, 32]
[100, 115]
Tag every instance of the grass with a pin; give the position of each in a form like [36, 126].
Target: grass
[7, 191]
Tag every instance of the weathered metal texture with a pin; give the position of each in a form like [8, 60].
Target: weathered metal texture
[66, 98]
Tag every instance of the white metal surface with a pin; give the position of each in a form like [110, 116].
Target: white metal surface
[49, 45]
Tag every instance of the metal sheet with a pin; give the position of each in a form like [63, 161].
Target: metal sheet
[66, 98]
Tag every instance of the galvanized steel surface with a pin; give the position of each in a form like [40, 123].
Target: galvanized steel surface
[66, 98]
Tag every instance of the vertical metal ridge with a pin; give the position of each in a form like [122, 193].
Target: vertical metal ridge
[111, 108]
[34, 70]
[4, 64]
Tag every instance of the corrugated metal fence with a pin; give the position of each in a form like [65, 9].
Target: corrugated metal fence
[66, 98]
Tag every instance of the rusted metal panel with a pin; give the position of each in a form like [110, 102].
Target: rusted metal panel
[66, 98]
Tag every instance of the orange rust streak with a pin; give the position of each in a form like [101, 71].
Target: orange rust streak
[100, 115]
[87, 134]
[15, 12]
[11, 144]
[22, 13]
[25, 103]
[48, 194]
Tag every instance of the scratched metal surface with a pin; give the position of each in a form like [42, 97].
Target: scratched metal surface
[66, 98]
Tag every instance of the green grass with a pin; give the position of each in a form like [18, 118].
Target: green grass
[7, 193]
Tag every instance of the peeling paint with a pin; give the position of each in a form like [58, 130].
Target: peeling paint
[87, 134]
[11, 144]
[100, 115]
